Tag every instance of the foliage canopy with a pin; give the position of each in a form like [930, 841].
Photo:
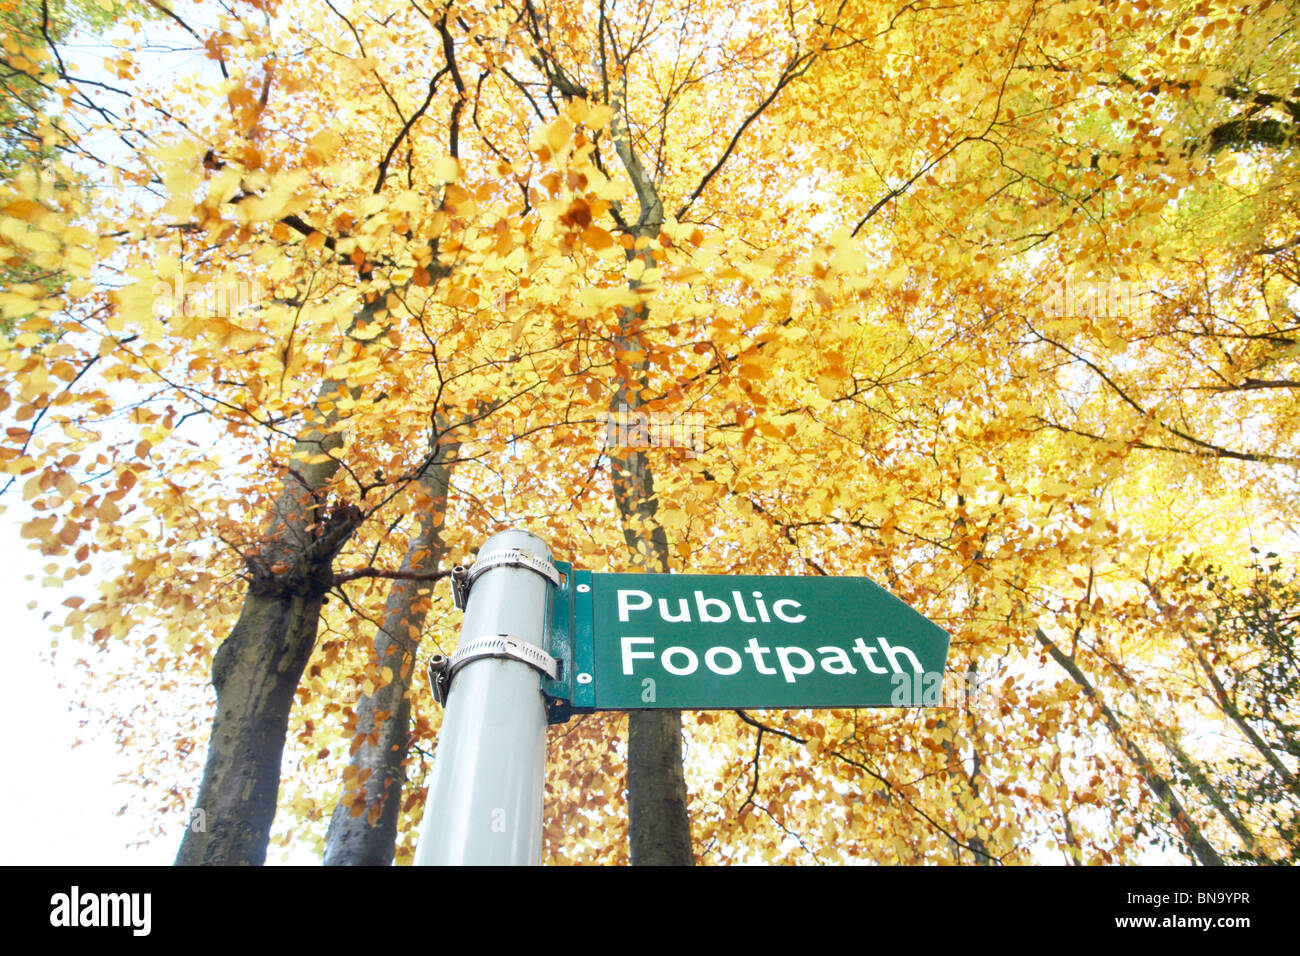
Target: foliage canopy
[992, 303]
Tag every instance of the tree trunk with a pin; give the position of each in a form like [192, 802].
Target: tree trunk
[1200, 848]
[1173, 746]
[363, 831]
[966, 788]
[1229, 707]
[659, 828]
[255, 673]
[257, 668]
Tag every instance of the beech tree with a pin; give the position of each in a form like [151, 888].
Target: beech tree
[991, 304]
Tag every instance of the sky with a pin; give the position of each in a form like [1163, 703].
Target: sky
[68, 786]
[59, 805]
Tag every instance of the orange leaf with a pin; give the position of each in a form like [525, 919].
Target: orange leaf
[597, 238]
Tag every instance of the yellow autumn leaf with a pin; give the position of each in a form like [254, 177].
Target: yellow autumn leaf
[322, 146]
[558, 133]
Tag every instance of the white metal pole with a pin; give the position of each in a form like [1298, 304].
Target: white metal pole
[485, 797]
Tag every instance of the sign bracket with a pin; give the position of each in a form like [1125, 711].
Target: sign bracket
[568, 641]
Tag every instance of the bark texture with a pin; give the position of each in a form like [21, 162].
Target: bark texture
[257, 668]
[363, 830]
[242, 778]
[659, 828]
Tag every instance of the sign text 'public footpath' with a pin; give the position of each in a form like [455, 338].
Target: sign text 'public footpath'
[695, 641]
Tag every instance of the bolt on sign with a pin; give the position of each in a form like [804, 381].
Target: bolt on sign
[701, 641]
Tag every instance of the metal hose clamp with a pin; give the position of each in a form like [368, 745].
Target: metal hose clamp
[442, 668]
[462, 580]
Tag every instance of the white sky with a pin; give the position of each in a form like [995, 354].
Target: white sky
[59, 803]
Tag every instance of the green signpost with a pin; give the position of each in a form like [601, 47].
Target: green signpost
[634, 641]
[701, 641]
